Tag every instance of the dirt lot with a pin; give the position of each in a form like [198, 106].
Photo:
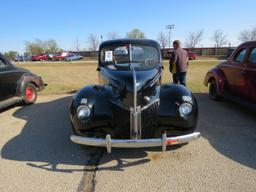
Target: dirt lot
[37, 155]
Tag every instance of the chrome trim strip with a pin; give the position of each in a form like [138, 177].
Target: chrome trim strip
[135, 122]
[147, 106]
[134, 143]
[134, 87]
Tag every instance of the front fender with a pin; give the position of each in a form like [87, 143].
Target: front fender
[97, 99]
[171, 97]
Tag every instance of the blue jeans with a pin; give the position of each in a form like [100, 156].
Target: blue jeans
[179, 78]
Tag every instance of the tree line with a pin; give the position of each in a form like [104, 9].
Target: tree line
[193, 39]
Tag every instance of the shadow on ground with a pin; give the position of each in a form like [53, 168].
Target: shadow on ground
[44, 140]
[229, 128]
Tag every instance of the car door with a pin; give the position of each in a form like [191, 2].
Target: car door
[251, 74]
[3, 92]
[235, 73]
[9, 79]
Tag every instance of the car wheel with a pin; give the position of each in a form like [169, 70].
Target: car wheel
[213, 93]
[29, 94]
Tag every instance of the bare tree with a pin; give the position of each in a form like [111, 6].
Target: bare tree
[219, 38]
[94, 42]
[247, 35]
[51, 46]
[194, 38]
[136, 33]
[163, 39]
[113, 35]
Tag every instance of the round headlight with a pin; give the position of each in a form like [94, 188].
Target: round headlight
[83, 112]
[185, 109]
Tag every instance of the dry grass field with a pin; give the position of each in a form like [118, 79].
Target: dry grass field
[66, 77]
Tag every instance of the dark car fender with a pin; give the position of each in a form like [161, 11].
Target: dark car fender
[29, 78]
[171, 97]
[97, 99]
[219, 77]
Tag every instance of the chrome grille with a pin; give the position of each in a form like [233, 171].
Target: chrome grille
[149, 120]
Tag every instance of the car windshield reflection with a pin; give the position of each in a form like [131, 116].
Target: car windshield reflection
[119, 57]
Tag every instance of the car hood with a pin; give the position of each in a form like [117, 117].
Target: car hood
[124, 79]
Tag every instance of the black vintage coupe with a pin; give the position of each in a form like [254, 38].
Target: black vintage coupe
[130, 108]
[17, 84]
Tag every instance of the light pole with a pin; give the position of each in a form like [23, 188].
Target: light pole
[170, 27]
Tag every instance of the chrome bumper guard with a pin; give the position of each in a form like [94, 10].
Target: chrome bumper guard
[134, 143]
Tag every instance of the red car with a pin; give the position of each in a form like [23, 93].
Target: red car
[42, 57]
[191, 56]
[236, 77]
[60, 56]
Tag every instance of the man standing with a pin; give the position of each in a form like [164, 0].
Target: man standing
[178, 63]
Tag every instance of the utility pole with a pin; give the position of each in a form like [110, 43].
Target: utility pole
[170, 27]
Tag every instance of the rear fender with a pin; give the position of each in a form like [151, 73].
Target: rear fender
[29, 78]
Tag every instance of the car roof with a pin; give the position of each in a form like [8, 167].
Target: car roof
[249, 43]
[131, 41]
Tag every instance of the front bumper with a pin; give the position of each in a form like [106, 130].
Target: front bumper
[134, 143]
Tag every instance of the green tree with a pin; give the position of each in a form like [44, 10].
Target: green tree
[136, 33]
[36, 47]
[10, 55]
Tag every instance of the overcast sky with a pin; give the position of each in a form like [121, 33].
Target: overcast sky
[65, 21]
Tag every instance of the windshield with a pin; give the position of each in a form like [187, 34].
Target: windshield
[118, 57]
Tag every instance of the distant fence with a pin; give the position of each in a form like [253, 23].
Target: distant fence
[203, 51]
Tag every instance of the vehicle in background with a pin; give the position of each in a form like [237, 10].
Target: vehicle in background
[22, 58]
[42, 57]
[19, 59]
[191, 56]
[235, 78]
[50, 56]
[17, 84]
[73, 57]
[230, 51]
[130, 107]
[60, 56]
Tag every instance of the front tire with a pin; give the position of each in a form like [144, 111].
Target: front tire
[213, 93]
[29, 94]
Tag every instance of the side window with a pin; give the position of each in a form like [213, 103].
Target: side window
[252, 57]
[2, 63]
[240, 56]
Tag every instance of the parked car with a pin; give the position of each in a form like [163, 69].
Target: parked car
[17, 84]
[191, 56]
[236, 77]
[60, 56]
[50, 56]
[73, 57]
[22, 58]
[42, 57]
[130, 108]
